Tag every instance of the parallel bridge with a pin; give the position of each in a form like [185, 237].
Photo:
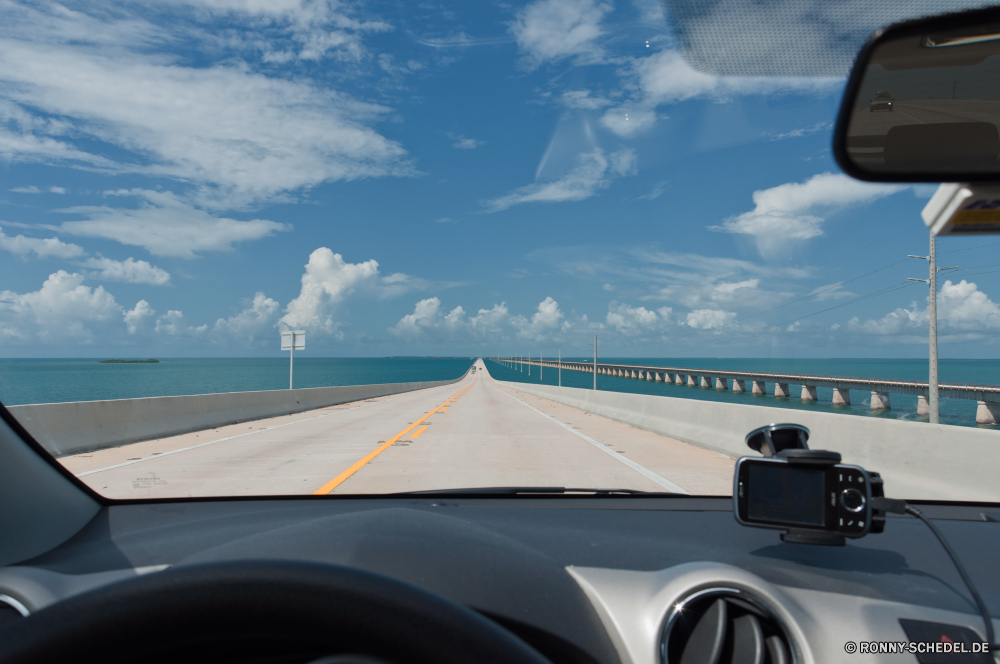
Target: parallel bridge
[986, 396]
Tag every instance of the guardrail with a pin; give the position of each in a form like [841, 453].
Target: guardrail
[986, 396]
[80, 426]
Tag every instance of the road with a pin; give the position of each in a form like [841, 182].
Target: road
[474, 433]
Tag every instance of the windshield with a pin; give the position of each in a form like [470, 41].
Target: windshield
[337, 248]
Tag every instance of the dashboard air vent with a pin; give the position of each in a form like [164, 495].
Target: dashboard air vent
[724, 626]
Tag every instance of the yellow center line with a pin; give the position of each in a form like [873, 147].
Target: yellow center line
[417, 432]
[339, 479]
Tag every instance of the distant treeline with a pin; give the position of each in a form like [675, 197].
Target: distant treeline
[149, 361]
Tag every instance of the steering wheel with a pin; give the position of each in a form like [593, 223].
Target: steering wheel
[266, 611]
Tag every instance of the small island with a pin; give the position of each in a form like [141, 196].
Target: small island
[149, 361]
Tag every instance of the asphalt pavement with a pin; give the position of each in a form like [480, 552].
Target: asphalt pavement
[471, 434]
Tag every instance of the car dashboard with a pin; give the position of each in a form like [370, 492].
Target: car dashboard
[583, 579]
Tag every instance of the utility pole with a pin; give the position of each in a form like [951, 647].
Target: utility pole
[560, 367]
[529, 365]
[934, 414]
[595, 362]
[540, 367]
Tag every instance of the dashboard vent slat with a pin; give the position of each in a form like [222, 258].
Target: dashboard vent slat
[707, 639]
[748, 640]
[777, 652]
[724, 626]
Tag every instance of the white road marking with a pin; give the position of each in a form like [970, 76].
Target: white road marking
[666, 484]
[221, 440]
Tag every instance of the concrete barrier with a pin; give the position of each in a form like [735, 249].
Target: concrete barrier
[917, 460]
[80, 426]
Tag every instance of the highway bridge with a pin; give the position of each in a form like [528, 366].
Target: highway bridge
[986, 396]
[472, 433]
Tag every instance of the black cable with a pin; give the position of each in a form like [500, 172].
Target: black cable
[978, 246]
[888, 289]
[910, 509]
[819, 292]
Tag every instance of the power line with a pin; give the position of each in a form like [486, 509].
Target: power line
[841, 283]
[978, 273]
[953, 251]
[884, 291]
[828, 288]
[868, 246]
[976, 267]
[688, 337]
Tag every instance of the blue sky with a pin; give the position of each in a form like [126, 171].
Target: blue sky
[186, 178]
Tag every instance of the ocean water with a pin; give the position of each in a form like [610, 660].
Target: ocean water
[960, 412]
[25, 381]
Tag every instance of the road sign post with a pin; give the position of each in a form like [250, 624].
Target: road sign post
[292, 341]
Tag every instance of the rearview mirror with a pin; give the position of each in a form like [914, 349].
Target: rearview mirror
[923, 102]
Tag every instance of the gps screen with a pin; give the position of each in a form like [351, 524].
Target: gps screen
[780, 493]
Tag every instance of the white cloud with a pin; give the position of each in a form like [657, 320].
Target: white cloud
[240, 136]
[708, 293]
[581, 99]
[962, 308]
[444, 220]
[594, 171]
[463, 143]
[654, 193]
[41, 247]
[652, 12]
[665, 77]
[608, 287]
[328, 279]
[633, 321]
[831, 292]
[35, 190]
[455, 318]
[543, 322]
[139, 317]
[429, 321]
[550, 30]
[893, 323]
[709, 319]
[727, 289]
[166, 226]
[629, 120]
[714, 267]
[173, 323]
[965, 307]
[316, 29]
[701, 284]
[425, 315]
[791, 211]
[804, 131]
[387, 63]
[62, 309]
[490, 322]
[255, 320]
[130, 271]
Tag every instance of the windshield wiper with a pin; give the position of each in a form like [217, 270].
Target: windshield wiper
[533, 490]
